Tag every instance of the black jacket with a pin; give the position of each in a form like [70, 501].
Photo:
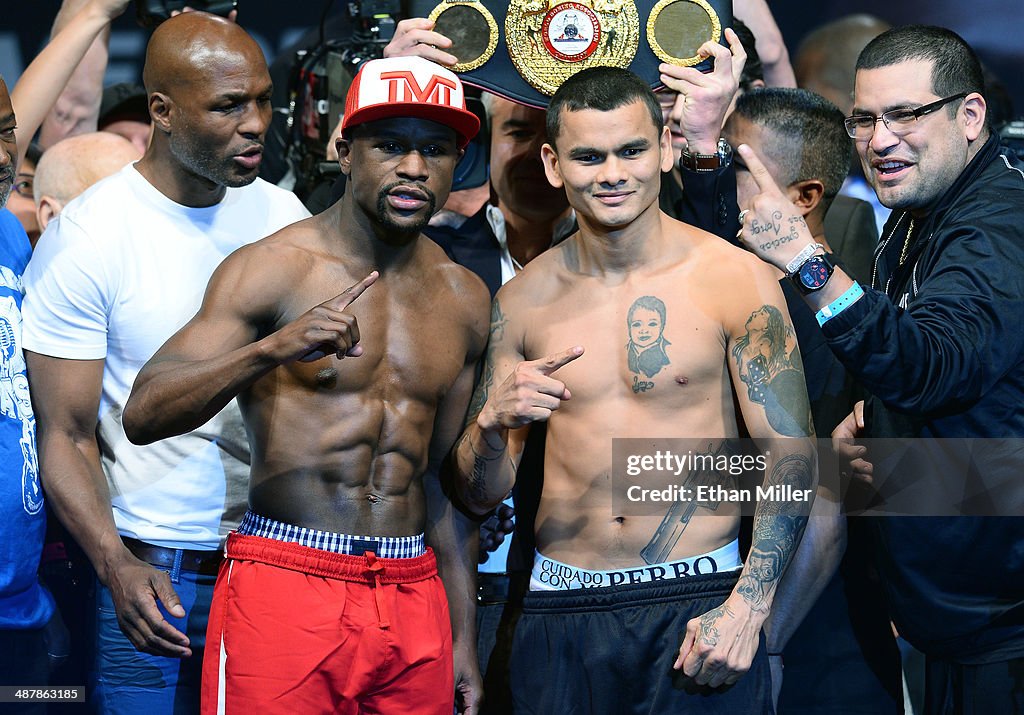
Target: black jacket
[941, 339]
[939, 344]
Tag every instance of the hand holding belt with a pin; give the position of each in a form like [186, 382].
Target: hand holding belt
[524, 49]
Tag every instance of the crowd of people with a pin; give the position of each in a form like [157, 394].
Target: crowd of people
[366, 460]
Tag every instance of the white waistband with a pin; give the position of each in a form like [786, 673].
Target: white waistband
[551, 575]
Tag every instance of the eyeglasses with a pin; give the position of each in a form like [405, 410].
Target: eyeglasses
[898, 121]
[24, 187]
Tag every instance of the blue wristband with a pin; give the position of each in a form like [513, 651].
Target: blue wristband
[839, 304]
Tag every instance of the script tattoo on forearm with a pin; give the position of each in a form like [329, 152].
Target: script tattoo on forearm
[777, 529]
[645, 349]
[478, 475]
[768, 360]
[477, 484]
[478, 478]
[481, 462]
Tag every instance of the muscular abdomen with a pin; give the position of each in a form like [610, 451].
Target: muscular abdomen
[344, 454]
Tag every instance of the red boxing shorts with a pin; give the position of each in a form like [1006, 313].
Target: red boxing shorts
[297, 631]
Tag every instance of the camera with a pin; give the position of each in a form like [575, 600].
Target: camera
[151, 13]
[319, 81]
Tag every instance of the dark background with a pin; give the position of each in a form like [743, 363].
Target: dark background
[993, 27]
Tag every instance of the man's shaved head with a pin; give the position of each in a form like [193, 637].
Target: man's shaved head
[72, 165]
[184, 48]
[209, 97]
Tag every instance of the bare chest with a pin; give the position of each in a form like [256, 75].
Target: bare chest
[414, 346]
[650, 345]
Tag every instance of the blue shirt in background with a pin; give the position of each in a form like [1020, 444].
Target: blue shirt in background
[24, 603]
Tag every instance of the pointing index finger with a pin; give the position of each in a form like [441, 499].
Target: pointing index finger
[552, 363]
[348, 297]
[762, 178]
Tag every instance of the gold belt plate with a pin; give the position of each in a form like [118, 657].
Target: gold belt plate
[471, 28]
[551, 40]
[677, 28]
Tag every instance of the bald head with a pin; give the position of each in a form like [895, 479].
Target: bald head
[209, 98]
[826, 60]
[184, 49]
[74, 164]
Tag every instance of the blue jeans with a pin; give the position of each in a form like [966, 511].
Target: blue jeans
[129, 682]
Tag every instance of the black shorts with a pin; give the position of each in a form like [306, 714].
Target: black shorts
[610, 651]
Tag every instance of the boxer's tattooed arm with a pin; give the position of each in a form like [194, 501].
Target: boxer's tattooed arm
[768, 361]
[483, 387]
[476, 405]
[478, 478]
[778, 525]
[498, 322]
[477, 483]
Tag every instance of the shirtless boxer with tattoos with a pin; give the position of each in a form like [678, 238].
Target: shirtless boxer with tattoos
[637, 326]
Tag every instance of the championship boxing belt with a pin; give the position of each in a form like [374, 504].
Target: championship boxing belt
[524, 49]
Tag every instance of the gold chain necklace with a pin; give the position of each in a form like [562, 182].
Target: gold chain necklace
[906, 242]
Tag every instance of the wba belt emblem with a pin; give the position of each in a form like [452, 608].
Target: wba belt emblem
[551, 40]
[525, 49]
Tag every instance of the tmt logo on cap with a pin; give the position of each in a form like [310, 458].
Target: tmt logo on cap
[409, 87]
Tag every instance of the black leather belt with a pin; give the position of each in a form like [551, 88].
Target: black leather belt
[193, 561]
[495, 588]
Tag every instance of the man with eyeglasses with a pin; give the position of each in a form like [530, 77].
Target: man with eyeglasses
[937, 341]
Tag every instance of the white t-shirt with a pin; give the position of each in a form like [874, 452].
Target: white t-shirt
[113, 277]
